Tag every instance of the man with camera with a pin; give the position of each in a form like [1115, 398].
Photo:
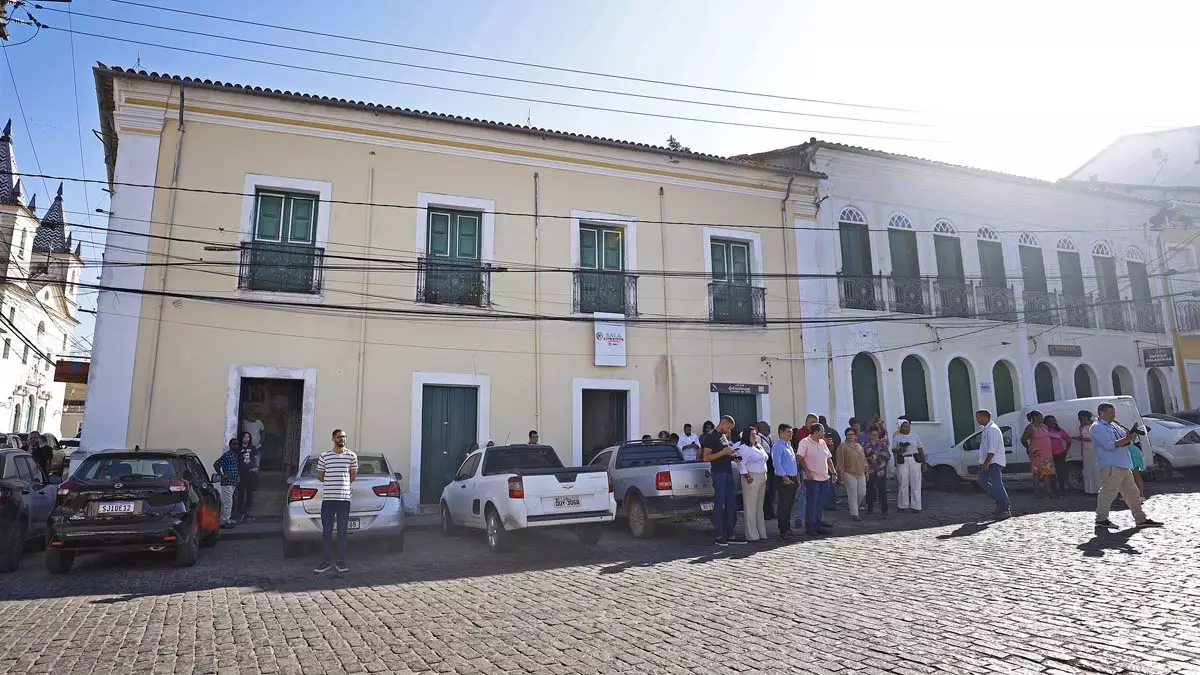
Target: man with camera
[1113, 460]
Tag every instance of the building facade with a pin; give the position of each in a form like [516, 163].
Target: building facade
[933, 290]
[426, 282]
[37, 300]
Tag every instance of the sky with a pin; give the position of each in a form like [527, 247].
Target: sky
[1032, 88]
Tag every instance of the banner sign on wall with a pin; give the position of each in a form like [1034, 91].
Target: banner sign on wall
[736, 388]
[1065, 350]
[1158, 357]
[610, 339]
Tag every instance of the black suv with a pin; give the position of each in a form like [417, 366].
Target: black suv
[26, 498]
[135, 500]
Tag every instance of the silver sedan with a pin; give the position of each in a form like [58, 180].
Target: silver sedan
[376, 506]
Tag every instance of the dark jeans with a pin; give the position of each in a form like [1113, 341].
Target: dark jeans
[814, 513]
[339, 510]
[787, 498]
[877, 492]
[992, 482]
[1060, 472]
[247, 484]
[769, 499]
[724, 503]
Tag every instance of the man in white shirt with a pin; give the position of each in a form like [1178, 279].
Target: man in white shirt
[992, 463]
[689, 443]
[255, 426]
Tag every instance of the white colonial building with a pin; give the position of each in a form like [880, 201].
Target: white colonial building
[37, 301]
[938, 289]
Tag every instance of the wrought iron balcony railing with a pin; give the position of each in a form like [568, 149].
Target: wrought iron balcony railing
[1077, 310]
[861, 292]
[1113, 314]
[281, 268]
[954, 298]
[996, 303]
[1187, 316]
[445, 282]
[1041, 307]
[737, 304]
[601, 291]
[909, 295]
[1147, 316]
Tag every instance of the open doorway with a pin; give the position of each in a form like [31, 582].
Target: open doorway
[271, 410]
[605, 420]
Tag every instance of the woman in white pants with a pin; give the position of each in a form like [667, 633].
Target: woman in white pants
[753, 468]
[910, 456]
[851, 466]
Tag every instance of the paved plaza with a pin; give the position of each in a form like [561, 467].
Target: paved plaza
[929, 593]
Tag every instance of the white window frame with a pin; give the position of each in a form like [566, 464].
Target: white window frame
[485, 207]
[748, 236]
[256, 182]
[627, 225]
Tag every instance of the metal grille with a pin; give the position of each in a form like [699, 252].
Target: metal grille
[1040, 307]
[909, 295]
[955, 298]
[861, 292]
[281, 268]
[996, 303]
[601, 291]
[445, 282]
[737, 304]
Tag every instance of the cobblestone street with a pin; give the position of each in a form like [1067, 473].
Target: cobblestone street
[926, 593]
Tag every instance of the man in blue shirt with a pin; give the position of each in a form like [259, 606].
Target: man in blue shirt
[227, 466]
[786, 477]
[1111, 446]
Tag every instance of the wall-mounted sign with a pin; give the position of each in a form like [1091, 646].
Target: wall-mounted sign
[609, 330]
[1158, 357]
[736, 388]
[1065, 350]
[71, 371]
[985, 387]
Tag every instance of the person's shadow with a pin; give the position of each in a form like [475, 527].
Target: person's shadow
[967, 530]
[1109, 541]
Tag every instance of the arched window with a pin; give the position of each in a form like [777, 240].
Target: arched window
[857, 283]
[905, 289]
[1005, 387]
[1102, 249]
[987, 234]
[900, 221]
[864, 383]
[41, 329]
[41, 418]
[1044, 382]
[1122, 381]
[852, 215]
[1027, 239]
[1134, 254]
[16, 423]
[945, 227]
[1085, 382]
[1158, 391]
[1111, 314]
[916, 391]
[1065, 244]
[962, 398]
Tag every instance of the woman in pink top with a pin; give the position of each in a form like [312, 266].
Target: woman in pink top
[1036, 440]
[1060, 445]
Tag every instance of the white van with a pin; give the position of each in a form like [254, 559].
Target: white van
[949, 468]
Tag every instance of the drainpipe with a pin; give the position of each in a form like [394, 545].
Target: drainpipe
[537, 304]
[362, 323]
[787, 292]
[662, 233]
[162, 281]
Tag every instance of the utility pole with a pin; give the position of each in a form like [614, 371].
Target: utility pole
[8, 14]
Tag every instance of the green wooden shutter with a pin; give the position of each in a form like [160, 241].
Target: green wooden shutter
[613, 251]
[439, 233]
[1071, 272]
[739, 256]
[903, 247]
[269, 224]
[588, 256]
[991, 263]
[720, 268]
[300, 227]
[1033, 270]
[1139, 281]
[468, 238]
[949, 258]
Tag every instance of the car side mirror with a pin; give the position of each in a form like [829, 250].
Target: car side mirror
[399, 476]
[55, 480]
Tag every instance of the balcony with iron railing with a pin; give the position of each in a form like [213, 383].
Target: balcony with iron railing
[445, 282]
[1146, 317]
[908, 295]
[281, 268]
[996, 303]
[861, 291]
[740, 304]
[1113, 315]
[1187, 316]
[1077, 310]
[954, 298]
[1041, 307]
[603, 291]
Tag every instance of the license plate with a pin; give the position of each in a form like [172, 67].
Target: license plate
[116, 507]
[353, 525]
[566, 502]
[706, 506]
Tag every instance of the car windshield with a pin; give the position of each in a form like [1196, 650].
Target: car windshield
[372, 465]
[1167, 421]
[506, 460]
[126, 467]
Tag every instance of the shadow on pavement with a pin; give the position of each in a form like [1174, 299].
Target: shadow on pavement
[259, 566]
[1105, 540]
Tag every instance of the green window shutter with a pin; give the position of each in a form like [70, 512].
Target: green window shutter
[588, 259]
[720, 269]
[439, 233]
[468, 238]
[300, 229]
[269, 224]
[613, 251]
[740, 263]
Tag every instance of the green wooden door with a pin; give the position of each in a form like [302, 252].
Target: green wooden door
[1158, 395]
[1005, 388]
[743, 408]
[1043, 383]
[864, 380]
[962, 400]
[448, 428]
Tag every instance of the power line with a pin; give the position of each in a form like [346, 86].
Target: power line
[28, 129]
[525, 99]
[595, 90]
[562, 69]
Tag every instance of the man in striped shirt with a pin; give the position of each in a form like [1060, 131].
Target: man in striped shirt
[336, 469]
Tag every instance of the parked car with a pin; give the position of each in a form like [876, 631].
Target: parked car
[1176, 444]
[376, 506]
[1192, 416]
[652, 482]
[57, 462]
[134, 500]
[948, 468]
[506, 488]
[26, 499]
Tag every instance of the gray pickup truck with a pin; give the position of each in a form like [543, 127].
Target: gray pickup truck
[652, 482]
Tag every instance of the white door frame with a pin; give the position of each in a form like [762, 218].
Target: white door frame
[233, 400]
[483, 417]
[762, 402]
[633, 406]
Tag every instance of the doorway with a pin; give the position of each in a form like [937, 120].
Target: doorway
[605, 420]
[743, 408]
[1158, 391]
[1043, 382]
[864, 383]
[962, 399]
[449, 430]
[272, 411]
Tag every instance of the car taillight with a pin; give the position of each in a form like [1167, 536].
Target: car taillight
[4, 493]
[177, 485]
[662, 480]
[516, 488]
[299, 494]
[611, 488]
[65, 489]
[392, 489]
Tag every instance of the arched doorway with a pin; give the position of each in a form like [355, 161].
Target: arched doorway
[41, 419]
[1158, 391]
[916, 393]
[1122, 381]
[1085, 382]
[1005, 387]
[16, 424]
[29, 416]
[864, 381]
[962, 399]
[1043, 382]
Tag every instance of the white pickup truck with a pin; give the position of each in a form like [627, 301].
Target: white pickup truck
[513, 487]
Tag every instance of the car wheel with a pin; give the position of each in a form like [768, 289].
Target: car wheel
[210, 540]
[946, 479]
[185, 553]
[640, 524]
[497, 538]
[589, 534]
[10, 560]
[396, 544]
[59, 562]
[448, 527]
[1160, 470]
[292, 549]
[1074, 479]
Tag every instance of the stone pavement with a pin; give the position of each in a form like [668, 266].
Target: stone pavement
[930, 593]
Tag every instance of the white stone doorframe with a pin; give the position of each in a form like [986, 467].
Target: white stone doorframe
[764, 411]
[233, 398]
[483, 422]
[633, 408]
